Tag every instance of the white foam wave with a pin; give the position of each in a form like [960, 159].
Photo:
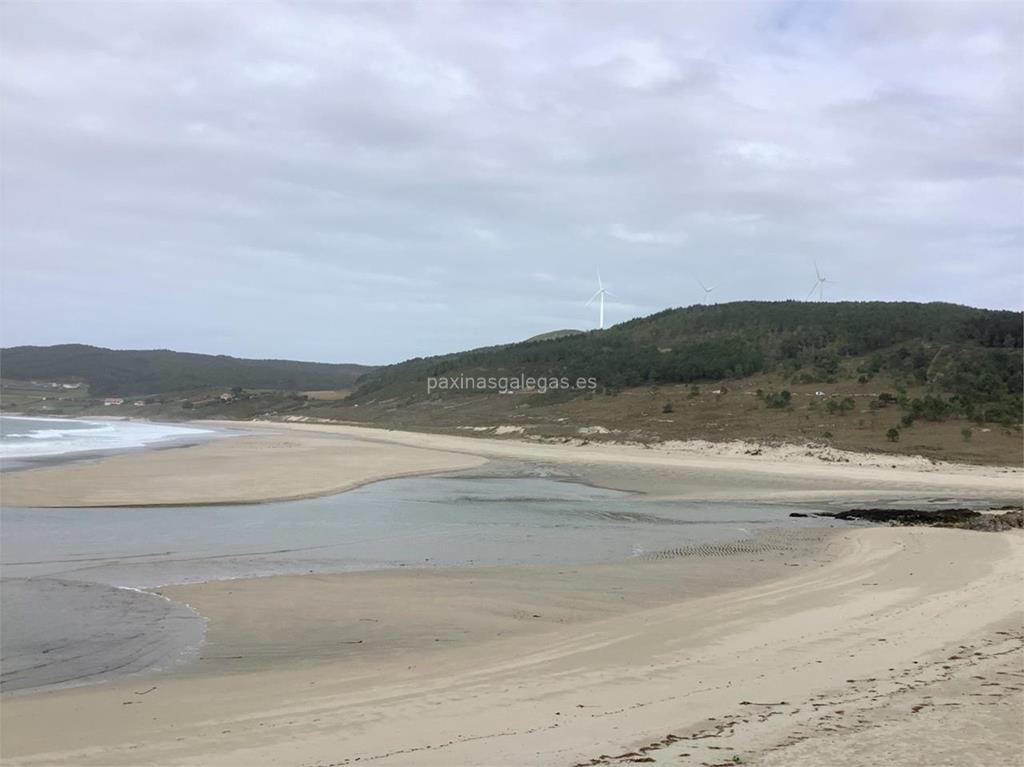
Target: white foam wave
[26, 438]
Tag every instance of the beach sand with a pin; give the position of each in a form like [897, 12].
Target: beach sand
[293, 460]
[280, 465]
[843, 647]
[871, 644]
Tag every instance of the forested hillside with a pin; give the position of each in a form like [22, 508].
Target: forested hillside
[109, 371]
[968, 359]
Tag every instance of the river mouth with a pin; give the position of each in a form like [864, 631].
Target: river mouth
[75, 608]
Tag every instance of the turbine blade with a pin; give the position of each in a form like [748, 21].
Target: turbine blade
[600, 284]
[816, 272]
[593, 297]
[609, 293]
[702, 285]
[813, 289]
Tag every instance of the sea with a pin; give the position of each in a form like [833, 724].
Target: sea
[30, 441]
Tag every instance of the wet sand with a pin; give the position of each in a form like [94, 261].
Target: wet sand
[771, 655]
[91, 631]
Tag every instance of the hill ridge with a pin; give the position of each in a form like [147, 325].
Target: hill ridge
[152, 371]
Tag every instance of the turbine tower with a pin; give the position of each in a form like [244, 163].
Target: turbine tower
[819, 283]
[600, 294]
[707, 290]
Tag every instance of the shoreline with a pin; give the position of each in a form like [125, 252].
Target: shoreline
[559, 664]
[313, 460]
[797, 545]
[552, 665]
[13, 464]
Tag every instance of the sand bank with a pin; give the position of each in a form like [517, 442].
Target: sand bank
[292, 460]
[849, 650]
[283, 465]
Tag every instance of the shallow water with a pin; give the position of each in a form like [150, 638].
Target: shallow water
[55, 631]
[62, 562]
[405, 522]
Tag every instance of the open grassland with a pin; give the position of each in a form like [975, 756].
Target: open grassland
[653, 414]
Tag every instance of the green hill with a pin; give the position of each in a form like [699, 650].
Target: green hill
[110, 371]
[553, 334]
[971, 356]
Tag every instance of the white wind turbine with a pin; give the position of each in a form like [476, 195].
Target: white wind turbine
[600, 294]
[819, 283]
[707, 291]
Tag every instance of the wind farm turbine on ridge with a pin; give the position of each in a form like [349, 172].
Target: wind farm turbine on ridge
[819, 283]
[600, 294]
[707, 291]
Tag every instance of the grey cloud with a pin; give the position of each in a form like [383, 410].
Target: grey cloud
[368, 182]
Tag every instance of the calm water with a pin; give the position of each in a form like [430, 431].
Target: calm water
[67, 613]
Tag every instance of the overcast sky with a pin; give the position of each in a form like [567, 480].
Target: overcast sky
[366, 183]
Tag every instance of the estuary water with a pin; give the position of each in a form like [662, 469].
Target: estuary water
[73, 608]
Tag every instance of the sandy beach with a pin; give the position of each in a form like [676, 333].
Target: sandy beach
[283, 461]
[906, 642]
[283, 464]
[837, 647]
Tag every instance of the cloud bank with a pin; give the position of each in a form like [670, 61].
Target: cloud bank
[350, 182]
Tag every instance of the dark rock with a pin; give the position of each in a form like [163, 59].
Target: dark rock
[967, 519]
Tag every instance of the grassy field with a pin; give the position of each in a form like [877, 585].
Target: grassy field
[648, 414]
[679, 412]
[42, 398]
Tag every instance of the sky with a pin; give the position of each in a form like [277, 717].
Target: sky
[349, 182]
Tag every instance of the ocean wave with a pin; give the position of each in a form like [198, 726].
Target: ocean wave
[31, 437]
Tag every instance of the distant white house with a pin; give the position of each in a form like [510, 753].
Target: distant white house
[108, 401]
[72, 386]
[139, 403]
[227, 396]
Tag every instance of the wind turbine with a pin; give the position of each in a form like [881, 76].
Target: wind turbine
[600, 294]
[819, 283]
[706, 289]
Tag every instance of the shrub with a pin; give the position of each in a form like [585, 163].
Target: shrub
[778, 399]
[840, 406]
